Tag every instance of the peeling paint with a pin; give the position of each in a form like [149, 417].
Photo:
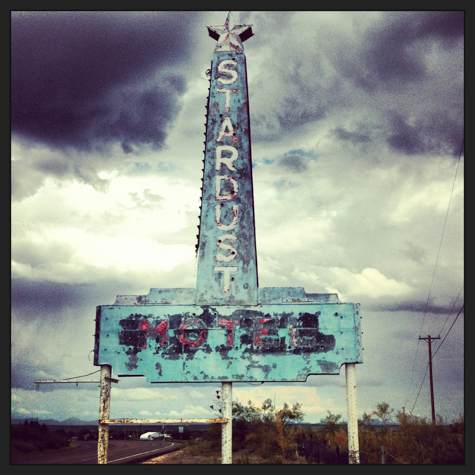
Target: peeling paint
[269, 342]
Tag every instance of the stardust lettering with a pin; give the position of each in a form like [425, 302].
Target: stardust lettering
[226, 185]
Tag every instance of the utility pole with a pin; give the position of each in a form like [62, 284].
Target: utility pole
[429, 338]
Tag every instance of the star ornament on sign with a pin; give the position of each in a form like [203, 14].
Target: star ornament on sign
[230, 36]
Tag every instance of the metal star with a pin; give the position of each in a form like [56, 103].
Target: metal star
[230, 36]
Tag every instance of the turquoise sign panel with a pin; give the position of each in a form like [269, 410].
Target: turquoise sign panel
[268, 342]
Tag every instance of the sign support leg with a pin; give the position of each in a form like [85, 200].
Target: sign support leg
[353, 443]
[227, 428]
[104, 411]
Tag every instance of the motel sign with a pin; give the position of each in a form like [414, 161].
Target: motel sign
[227, 329]
[286, 337]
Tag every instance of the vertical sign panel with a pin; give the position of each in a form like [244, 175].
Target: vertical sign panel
[227, 263]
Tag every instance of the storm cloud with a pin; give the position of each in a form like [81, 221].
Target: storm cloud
[85, 80]
[398, 55]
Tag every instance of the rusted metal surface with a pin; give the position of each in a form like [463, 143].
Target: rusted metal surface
[206, 343]
[104, 411]
[66, 382]
[230, 36]
[352, 416]
[227, 428]
[164, 421]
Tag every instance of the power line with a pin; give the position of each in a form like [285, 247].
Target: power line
[84, 375]
[435, 267]
[460, 311]
[423, 379]
[451, 310]
[67, 380]
[441, 238]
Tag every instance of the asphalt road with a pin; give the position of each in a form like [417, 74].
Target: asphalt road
[120, 452]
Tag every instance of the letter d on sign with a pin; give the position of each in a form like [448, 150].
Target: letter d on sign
[226, 195]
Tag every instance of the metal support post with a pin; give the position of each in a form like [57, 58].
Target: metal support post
[227, 428]
[353, 443]
[104, 411]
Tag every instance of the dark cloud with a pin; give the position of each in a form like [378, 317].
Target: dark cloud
[447, 26]
[394, 57]
[353, 137]
[435, 133]
[405, 137]
[31, 300]
[415, 306]
[25, 373]
[80, 79]
[294, 163]
[414, 251]
[408, 71]
[266, 24]
[51, 301]
[295, 102]
[396, 47]
[29, 173]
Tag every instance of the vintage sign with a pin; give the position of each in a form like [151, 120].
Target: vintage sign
[227, 328]
[269, 342]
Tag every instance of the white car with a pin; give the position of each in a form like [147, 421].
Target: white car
[154, 435]
[150, 436]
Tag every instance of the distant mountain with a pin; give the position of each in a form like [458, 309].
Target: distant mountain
[74, 421]
[71, 421]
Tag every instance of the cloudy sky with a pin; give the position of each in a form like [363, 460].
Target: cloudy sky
[357, 146]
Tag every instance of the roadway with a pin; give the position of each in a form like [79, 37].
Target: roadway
[120, 452]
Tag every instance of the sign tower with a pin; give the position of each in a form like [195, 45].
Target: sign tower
[227, 329]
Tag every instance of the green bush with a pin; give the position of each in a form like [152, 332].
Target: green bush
[269, 434]
[422, 442]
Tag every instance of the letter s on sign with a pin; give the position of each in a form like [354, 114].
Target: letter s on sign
[228, 72]
[226, 247]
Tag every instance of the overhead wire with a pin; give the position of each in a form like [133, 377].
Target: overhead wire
[441, 238]
[451, 310]
[423, 379]
[448, 331]
[433, 273]
[84, 375]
